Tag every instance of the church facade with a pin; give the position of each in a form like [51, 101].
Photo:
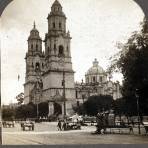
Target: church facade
[49, 74]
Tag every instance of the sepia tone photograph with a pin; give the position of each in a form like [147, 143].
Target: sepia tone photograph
[74, 72]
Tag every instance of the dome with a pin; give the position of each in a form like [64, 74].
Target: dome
[95, 69]
[56, 2]
[56, 9]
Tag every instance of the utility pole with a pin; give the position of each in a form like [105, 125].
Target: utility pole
[139, 130]
[37, 107]
[64, 97]
[138, 111]
[0, 123]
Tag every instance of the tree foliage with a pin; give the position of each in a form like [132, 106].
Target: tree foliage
[26, 111]
[8, 113]
[96, 104]
[133, 64]
[20, 98]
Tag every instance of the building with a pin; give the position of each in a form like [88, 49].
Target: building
[49, 74]
[97, 82]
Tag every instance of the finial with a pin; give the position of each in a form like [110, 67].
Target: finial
[82, 81]
[34, 26]
[95, 62]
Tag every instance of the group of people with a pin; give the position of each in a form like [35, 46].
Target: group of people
[62, 125]
[102, 122]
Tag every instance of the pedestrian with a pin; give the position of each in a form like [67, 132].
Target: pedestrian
[64, 125]
[59, 125]
[132, 123]
[131, 129]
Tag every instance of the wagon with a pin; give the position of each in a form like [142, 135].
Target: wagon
[7, 124]
[29, 126]
[73, 126]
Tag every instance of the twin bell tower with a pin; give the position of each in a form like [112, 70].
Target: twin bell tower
[49, 73]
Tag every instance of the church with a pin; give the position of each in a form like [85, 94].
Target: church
[49, 72]
[97, 82]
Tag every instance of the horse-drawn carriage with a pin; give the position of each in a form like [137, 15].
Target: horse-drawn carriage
[8, 124]
[107, 121]
[27, 124]
[73, 126]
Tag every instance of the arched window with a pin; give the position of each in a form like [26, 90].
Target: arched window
[101, 79]
[94, 79]
[48, 50]
[60, 26]
[67, 49]
[36, 47]
[54, 46]
[31, 46]
[37, 66]
[32, 65]
[61, 50]
[53, 24]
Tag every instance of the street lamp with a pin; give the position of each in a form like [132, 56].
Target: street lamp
[138, 110]
[64, 97]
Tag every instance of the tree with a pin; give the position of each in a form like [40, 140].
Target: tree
[133, 64]
[119, 106]
[26, 111]
[20, 98]
[8, 113]
[96, 104]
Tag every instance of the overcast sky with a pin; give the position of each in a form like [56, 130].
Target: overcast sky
[95, 26]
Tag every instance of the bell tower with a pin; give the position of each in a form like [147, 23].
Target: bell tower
[57, 40]
[49, 75]
[34, 62]
[57, 19]
[58, 56]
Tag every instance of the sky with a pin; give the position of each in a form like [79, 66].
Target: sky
[96, 26]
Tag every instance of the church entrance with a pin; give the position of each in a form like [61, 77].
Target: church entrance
[57, 108]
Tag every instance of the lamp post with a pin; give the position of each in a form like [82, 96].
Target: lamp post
[138, 111]
[64, 97]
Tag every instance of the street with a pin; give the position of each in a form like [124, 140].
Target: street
[47, 133]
